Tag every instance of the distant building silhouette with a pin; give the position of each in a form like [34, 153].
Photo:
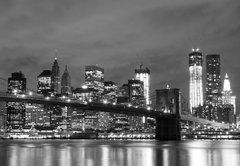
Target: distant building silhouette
[66, 82]
[55, 77]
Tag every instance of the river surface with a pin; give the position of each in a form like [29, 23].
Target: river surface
[118, 153]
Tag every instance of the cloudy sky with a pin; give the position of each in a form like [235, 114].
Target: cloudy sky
[118, 35]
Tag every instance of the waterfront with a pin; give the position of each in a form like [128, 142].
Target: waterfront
[119, 153]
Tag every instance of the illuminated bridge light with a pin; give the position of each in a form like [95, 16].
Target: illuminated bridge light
[47, 98]
[30, 93]
[105, 101]
[68, 100]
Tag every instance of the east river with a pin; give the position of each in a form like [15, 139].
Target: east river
[118, 153]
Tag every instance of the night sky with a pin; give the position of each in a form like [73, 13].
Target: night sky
[118, 35]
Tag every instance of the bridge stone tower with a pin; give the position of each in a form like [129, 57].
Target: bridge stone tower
[168, 101]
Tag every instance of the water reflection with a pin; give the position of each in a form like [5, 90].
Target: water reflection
[119, 153]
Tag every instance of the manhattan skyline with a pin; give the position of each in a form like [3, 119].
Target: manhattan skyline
[118, 37]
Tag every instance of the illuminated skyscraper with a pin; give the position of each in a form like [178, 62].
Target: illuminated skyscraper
[17, 83]
[16, 110]
[227, 98]
[226, 91]
[213, 80]
[44, 86]
[136, 92]
[94, 78]
[55, 77]
[195, 86]
[144, 76]
[66, 82]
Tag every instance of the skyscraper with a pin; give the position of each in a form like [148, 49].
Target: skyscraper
[66, 82]
[94, 78]
[44, 85]
[16, 110]
[144, 76]
[195, 85]
[55, 77]
[227, 92]
[213, 80]
[136, 92]
[228, 101]
[17, 83]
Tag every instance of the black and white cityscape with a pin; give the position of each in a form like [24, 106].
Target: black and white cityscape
[119, 83]
[103, 108]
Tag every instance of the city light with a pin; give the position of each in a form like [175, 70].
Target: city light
[30, 93]
[105, 101]
[15, 91]
[68, 100]
[23, 95]
[84, 86]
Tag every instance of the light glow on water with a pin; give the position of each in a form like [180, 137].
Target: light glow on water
[119, 153]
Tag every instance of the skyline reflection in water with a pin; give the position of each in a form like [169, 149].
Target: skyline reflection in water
[118, 153]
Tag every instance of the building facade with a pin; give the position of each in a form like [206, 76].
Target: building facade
[136, 93]
[195, 84]
[143, 74]
[213, 80]
[44, 85]
[227, 97]
[94, 78]
[66, 82]
[16, 110]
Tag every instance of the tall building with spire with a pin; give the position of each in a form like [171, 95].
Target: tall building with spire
[55, 77]
[228, 113]
[143, 74]
[66, 82]
[195, 83]
[227, 98]
[227, 92]
[213, 80]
